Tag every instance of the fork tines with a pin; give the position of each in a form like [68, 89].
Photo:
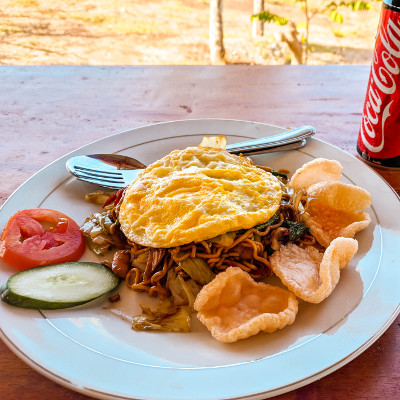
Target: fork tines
[113, 179]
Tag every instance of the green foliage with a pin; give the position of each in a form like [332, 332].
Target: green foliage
[330, 8]
[358, 5]
[338, 33]
[266, 16]
[334, 14]
[301, 25]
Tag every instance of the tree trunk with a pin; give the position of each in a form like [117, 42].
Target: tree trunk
[216, 33]
[292, 39]
[258, 26]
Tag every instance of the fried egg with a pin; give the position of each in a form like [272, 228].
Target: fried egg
[196, 194]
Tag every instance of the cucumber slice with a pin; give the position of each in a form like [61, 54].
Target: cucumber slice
[59, 285]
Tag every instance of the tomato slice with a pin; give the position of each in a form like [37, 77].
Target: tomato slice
[39, 236]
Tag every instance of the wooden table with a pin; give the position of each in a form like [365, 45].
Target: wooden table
[47, 111]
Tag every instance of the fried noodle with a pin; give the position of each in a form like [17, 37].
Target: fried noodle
[249, 250]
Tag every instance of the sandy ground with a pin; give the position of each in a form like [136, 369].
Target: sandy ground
[129, 32]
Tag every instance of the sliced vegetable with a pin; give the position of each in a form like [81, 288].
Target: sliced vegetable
[101, 233]
[98, 197]
[115, 198]
[58, 286]
[40, 236]
[191, 289]
[226, 239]
[165, 317]
[197, 269]
[183, 291]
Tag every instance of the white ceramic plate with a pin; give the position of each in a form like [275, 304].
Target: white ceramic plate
[92, 350]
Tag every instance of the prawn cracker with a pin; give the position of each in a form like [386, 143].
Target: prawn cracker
[317, 170]
[335, 210]
[233, 306]
[310, 274]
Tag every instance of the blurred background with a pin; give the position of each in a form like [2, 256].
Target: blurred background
[187, 32]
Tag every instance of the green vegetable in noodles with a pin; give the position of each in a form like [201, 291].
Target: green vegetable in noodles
[226, 239]
[279, 174]
[183, 291]
[197, 269]
[296, 229]
[99, 233]
[165, 317]
[98, 197]
[273, 220]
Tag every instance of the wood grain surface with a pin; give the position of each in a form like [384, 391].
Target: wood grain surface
[47, 111]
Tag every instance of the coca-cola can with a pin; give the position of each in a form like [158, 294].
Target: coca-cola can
[379, 136]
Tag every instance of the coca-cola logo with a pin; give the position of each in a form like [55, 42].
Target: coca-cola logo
[382, 84]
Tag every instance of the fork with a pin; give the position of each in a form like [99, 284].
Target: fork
[115, 171]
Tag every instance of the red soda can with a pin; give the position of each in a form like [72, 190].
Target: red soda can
[379, 136]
